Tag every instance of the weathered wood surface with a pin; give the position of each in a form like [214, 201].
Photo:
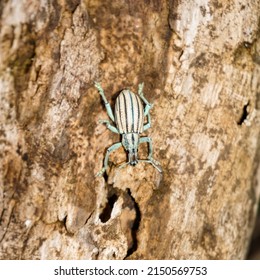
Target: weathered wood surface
[199, 61]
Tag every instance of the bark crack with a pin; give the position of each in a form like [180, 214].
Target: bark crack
[106, 213]
[135, 226]
[244, 114]
[6, 219]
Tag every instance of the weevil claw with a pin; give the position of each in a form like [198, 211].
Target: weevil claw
[153, 162]
[156, 164]
[123, 165]
[103, 121]
[140, 88]
[101, 172]
[97, 85]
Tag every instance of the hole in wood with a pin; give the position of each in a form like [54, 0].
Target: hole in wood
[106, 214]
[135, 227]
[244, 114]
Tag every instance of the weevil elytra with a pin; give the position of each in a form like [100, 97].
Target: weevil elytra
[130, 113]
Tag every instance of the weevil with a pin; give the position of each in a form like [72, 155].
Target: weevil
[128, 120]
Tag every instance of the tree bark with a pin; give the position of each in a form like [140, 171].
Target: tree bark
[199, 61]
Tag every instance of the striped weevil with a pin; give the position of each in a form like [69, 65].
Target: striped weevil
[129, 120]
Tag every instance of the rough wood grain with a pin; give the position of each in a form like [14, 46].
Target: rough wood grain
[199, 61]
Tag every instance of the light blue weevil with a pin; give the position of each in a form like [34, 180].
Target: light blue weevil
[129, 122]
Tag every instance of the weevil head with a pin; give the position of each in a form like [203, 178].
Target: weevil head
[130, 142]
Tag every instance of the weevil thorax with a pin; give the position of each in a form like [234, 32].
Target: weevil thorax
[130, 142]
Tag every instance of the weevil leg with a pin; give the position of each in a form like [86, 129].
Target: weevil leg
[150, 159]
[148, 105]
[123, 164]
[153, 162]
[109, 126]
[148, 124]
[108, 107]
[149, 141]
[108, 152]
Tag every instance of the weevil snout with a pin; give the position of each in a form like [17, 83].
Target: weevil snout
[133, 163]
[132, 157]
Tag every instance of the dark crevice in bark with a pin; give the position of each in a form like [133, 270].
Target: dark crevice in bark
[64, 222]
[254, 248]
[253, 252]
[244, 114]
[72, 5]
[105, 177]
[6, 224]
[135, 227]
[88, 217]
[106, 213]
